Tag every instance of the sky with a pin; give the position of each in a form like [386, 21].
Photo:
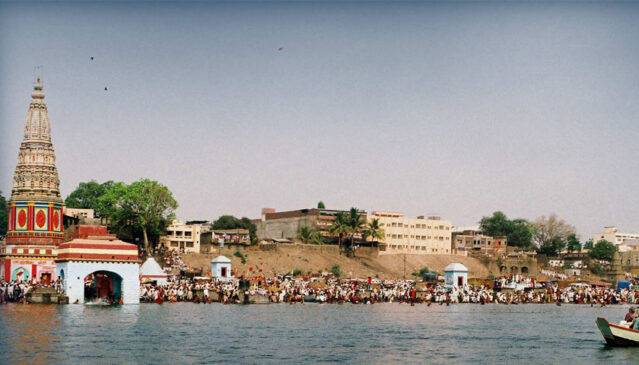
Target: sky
[456, 110]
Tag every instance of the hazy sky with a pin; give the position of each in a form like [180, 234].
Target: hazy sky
[449, 109]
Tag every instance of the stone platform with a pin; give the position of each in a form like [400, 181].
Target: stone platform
[46, 296]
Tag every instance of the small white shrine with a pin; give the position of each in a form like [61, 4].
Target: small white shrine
[150, 271]
[456, 275]
[221, 268]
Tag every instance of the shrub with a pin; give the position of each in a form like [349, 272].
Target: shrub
[241, 256]
[297, 272]
[336, 270]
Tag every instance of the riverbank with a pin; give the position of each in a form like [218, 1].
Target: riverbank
[314, 258]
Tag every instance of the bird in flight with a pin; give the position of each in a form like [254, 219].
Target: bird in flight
[105, 88]
[91, 58]
[280, 49]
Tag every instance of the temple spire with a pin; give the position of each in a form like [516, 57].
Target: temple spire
[36, 174]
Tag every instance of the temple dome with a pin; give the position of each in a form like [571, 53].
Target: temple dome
[456, 266]
[221, 259]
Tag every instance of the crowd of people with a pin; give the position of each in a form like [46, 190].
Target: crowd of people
[171, 260]
[329, 289]
[16, 291]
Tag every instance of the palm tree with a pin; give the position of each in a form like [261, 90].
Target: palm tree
[374, 230]
[355, 225]
[308, 235]
[339, 227]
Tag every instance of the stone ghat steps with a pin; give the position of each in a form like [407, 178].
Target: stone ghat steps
[46, 295]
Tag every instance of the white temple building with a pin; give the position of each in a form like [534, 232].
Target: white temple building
[221, 268]
[456, 274]
[97, 267]
[150, 271]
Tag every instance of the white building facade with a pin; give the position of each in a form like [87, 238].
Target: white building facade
[612, 234]
[221, 268]
[99, 267]
[456, 275]
[421, 235]
[184, 237]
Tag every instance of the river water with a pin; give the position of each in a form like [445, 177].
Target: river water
[187, 333]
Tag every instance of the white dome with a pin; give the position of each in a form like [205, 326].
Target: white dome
[151, 267]
[221, 259]
[456, 266]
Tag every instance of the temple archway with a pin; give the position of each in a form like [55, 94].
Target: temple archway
[103, 287]
[524, 269]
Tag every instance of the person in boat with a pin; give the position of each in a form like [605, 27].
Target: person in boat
[631, 318]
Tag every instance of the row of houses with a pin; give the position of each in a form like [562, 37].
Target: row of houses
[402, 235]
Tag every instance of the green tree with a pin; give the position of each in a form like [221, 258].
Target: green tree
[339, 227]
[519, 232]
[308, 235]
[573, 244]
[552, 247]
[252, 229]
[87, 196]
[588, 245]
[4, 212]
[228, 221]
[603, 250]
[321, 205]
[148, 205]
[355, 225]
[374, 230]
[496, 225]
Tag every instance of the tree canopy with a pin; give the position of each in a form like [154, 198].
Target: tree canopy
[374, 230]
[4, 209]
[230, 222]
[143, 208]
[87, 196]
[573, 244]
[551, 234]
[588, 245]
[308, 235]
[321, 205]
[519, 232]
[603, 250]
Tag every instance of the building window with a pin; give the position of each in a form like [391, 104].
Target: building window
[189, 244]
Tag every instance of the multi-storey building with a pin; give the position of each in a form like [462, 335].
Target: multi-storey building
[472, 240]
[35, 224]
[184, 237]
[286, 225]
[421, 235]
[612, 234]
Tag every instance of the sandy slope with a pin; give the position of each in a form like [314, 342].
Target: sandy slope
[285, 258]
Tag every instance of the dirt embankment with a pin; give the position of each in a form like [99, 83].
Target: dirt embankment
[312, 258]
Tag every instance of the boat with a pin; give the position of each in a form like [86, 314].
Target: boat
[617, 334]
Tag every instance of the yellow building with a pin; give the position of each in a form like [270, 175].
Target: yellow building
[421, 235]
[184, 237]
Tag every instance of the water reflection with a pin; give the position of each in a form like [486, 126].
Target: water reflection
[29, 332]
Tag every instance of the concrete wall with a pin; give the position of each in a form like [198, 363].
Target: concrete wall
[284, 227]
[76, 271]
